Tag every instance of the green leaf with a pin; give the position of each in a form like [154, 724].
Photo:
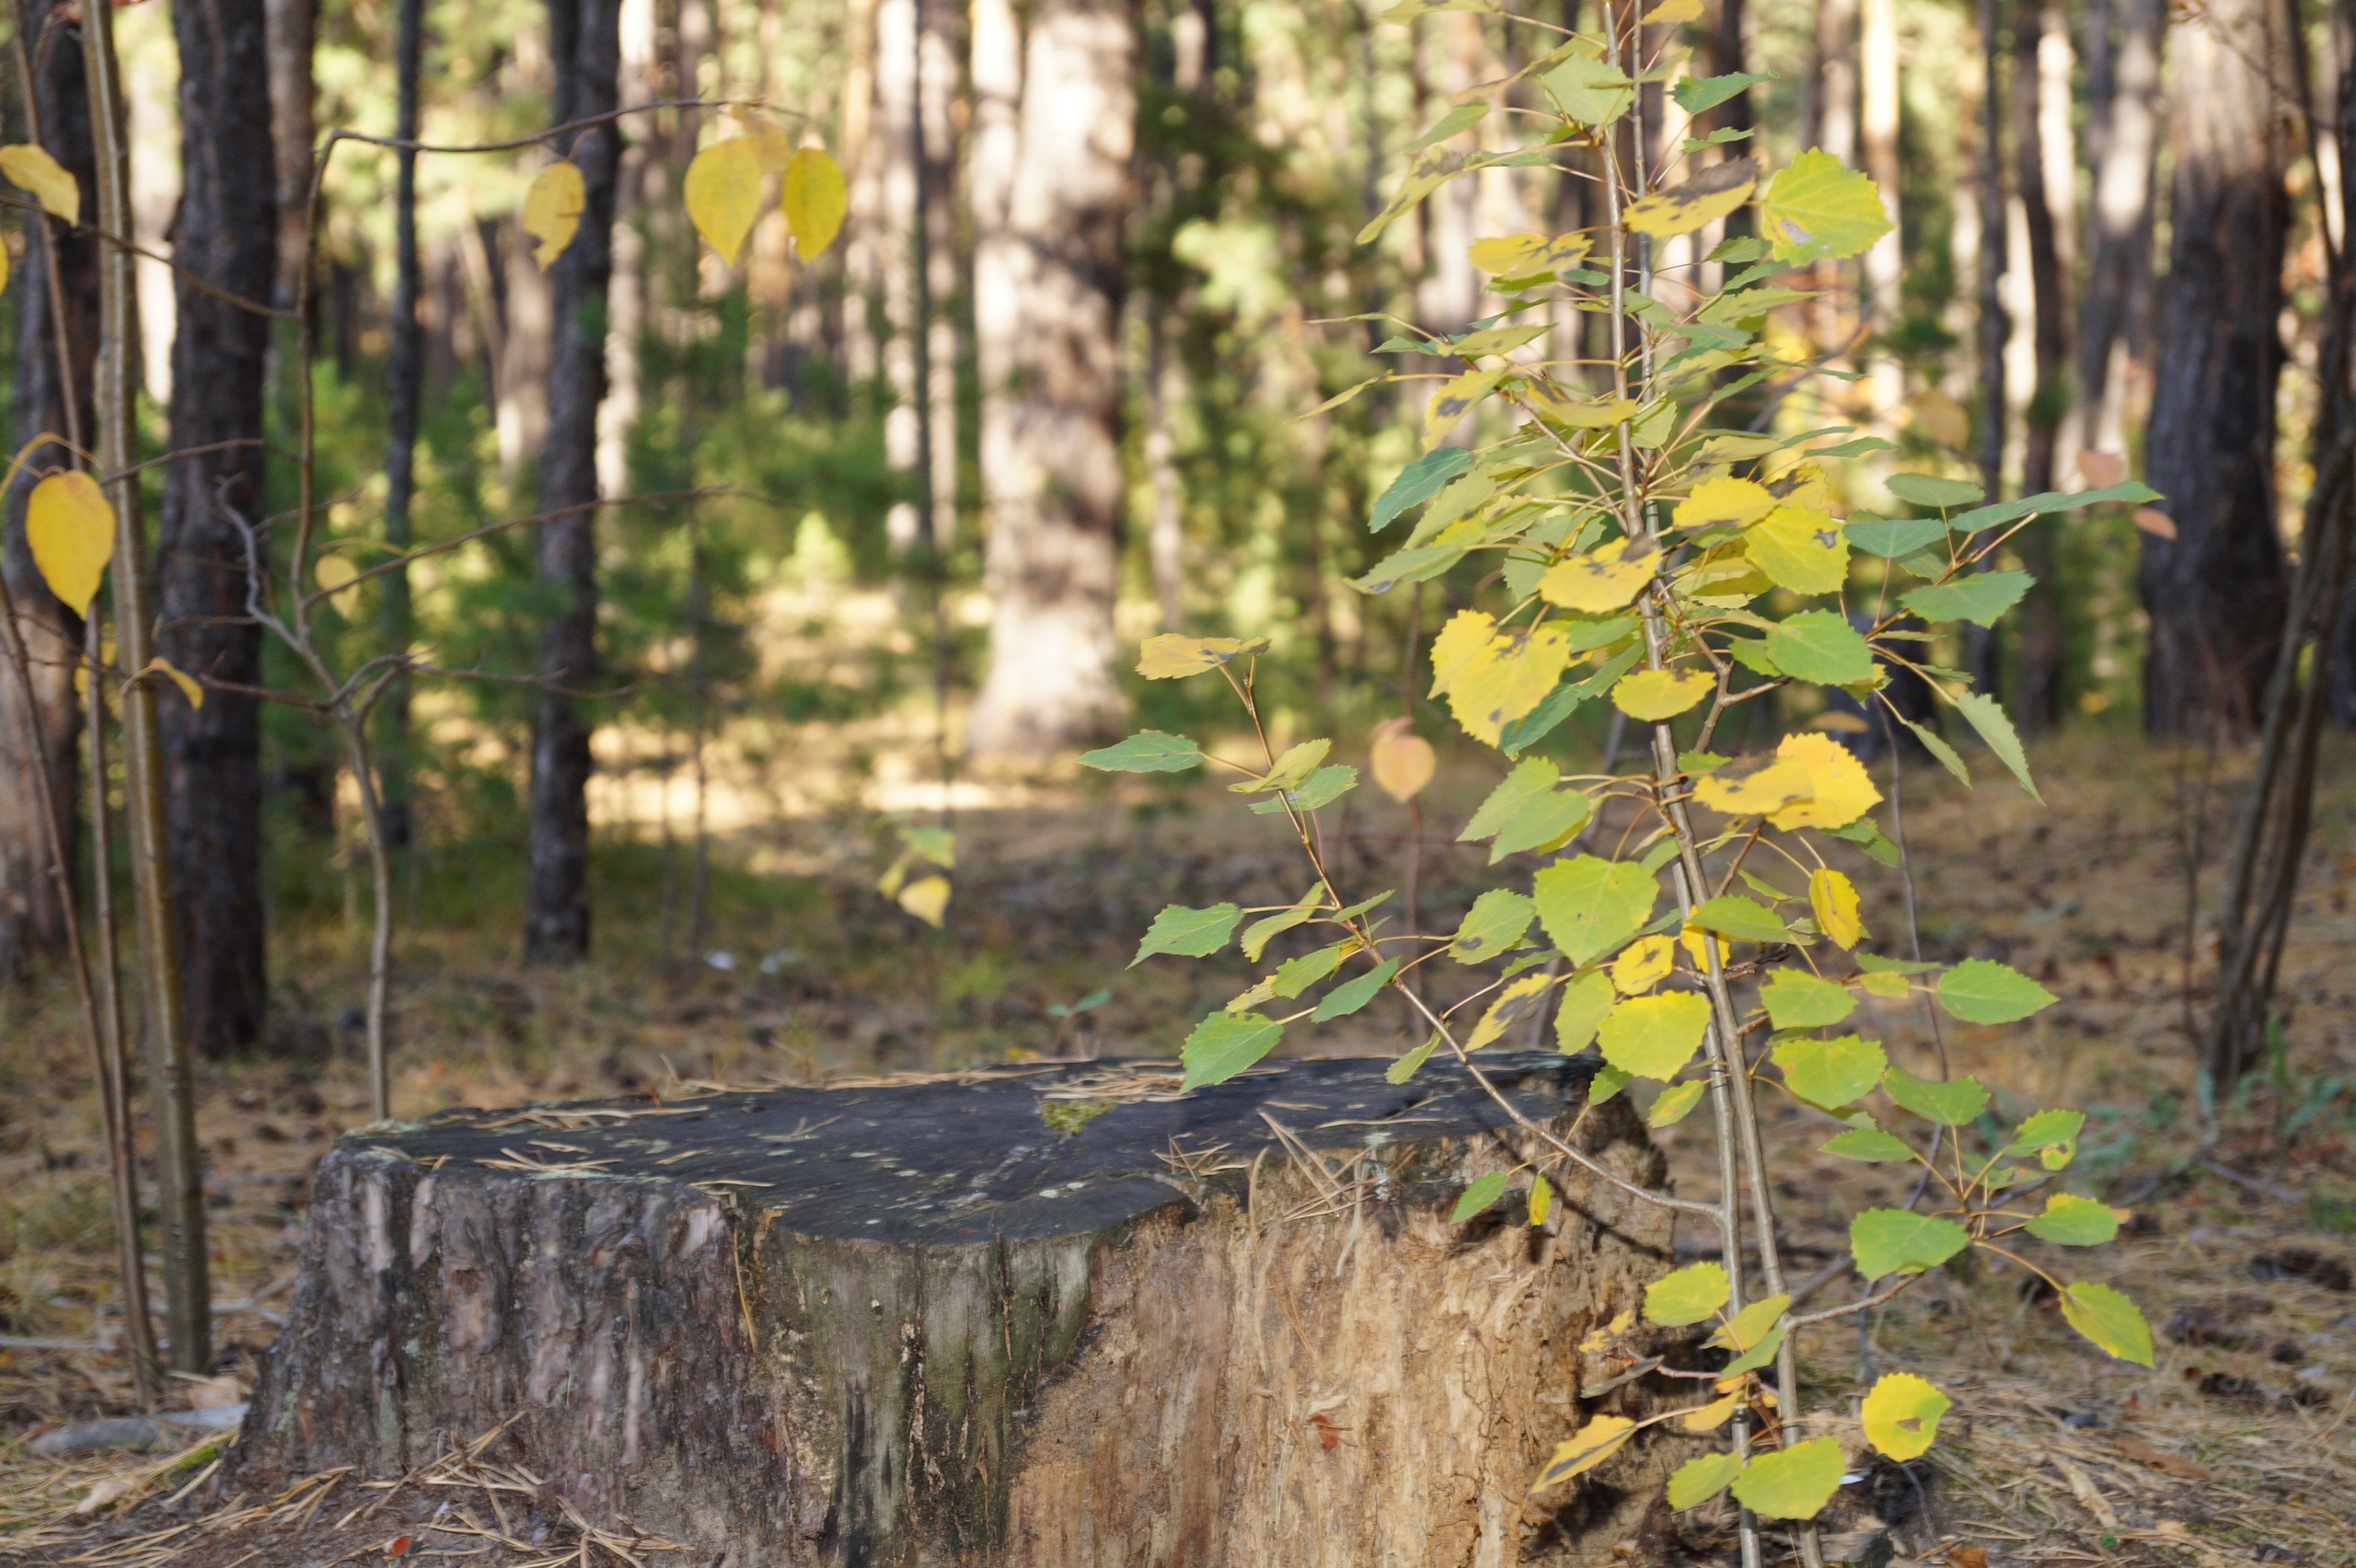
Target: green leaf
[1478, 1194]
[1590, 905]
[1750, 652]
[1353, 994]
[1189, 933]
[1988, 719]
[2072, 1221]
[1585, 999]
[2051, 1135]
[1762, 1353]
[1815, 210]
[1225, 1044]
[1699, 1480]
[1296, 975]
[1541, 823]
[1259, 933]
[1956, 1102]
[1455, 122]
[2108, 1318]
[1929, 490]
[1686, 1296]
[1696, 94]
[1530, 779]
[1676, 1104]
[1794, 1482]
[1148, 751]
[1747, 1328]
[1495, 923]
[1831, 1073]
[1866, 834]
[1608, 1081]
[1418, 481]
[1589, 90]
[1822, 647]
[1869, 1144]
[1895, 537]
[1940, 749]
[1980, 597]
[1322, 788]
[1745, 919]
[1874, 964]
[1654, 1036]
[1289, 771]
[1797, 999]
[1979, 990]
[1409, 1065]
[1889, 1241]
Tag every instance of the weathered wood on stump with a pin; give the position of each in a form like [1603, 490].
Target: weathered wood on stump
[1047, 1316]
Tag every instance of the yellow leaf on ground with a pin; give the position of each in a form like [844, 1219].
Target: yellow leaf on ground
[927, 898]
[1833, 897]
[1801, 548]
[1596, 1442]
[1606, 578]
[1707, 197]
[1725, 500]
[1901, 1415]
[70, 529]
[815, 200]
[723, 191]
[1643, 964]
[552, 210]
[32, 168]
[1767, 788]
[159, 665]
[1401, 761]
[1844, 792]
[1655, 695]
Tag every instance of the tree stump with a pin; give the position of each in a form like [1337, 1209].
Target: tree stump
[1049, 1315]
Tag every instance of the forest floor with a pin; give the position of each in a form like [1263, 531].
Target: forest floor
[2240, 1447]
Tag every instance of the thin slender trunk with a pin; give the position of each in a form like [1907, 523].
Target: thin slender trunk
[2039, 690]
[1995, 327]
[937, 89]
[404, 389]
[862, 160]
[1878, 125]
[226, 237]
[897, 140]
[994, 43]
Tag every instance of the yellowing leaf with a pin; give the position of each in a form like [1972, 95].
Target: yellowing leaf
[1725, 500]
[722, 192]
[1645, 963]
[70, 529]
[1288, 771]
[1816, 209]
[1710, 1416]
[1586, 1002]
[1833, 897]
[1401, 761]
[1707, 197]
[1601, 1339]
[1792, 1483]
[1694, 940]
[334, 573]
[1564, 408]
[1590, 905]
[1654, 1036]
[1901, 1415]
[1769, 789]
[927, 898]
[1655, 695]
[1940, 417]
[1596, 1442]
[1747, 1328]
[1527, 255]
[1607, 578]
[32, 168]
[1843, 792]
[1800, 547]
[552, 210]
[2108, 1318]
[815, 200]
[1515, 1004]
[1687, 1294]
[1453, 402]
[1831, 1073]
[1170, 655]
[1676, 1104]
[1699, 1480]
[1542, 1198]
[770, 144]
[1504, 677]
[1465, 635]
[1669, 13]
[4, 267]
[159, 665]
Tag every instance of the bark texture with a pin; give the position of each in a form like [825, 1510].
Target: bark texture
[2039, 690]
[585, 46]
[1052, 477]
[2122, 123]
[967, 1323]
[2215, 592]
[32, 912]
[226, 236]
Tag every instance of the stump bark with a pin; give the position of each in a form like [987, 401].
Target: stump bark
[1047, 1316]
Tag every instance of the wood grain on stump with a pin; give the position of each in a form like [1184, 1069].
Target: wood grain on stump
[1046, 1315]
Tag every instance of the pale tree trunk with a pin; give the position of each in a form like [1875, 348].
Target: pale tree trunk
[1833, 127]
[1449, 297]
[293, 96]
[2122, 136]
[2039, 691]
[1055, 492]
[226, 236]
[937, 85]
[863, 156]
[1878, 125]
[1166, 535]
[527, 327]
[993, 69]
[585, 48]
[897, 148]
[2215, 592]
[32, 906]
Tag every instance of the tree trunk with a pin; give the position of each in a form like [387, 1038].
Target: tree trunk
[294, 98]
[886, 1325]
[897, 139]
[226, 236]
[584, 38]
[2215, 592]
[937, 90]
[1056, 487]
[2038, 692]
[994, 70]
[1878, 85]
[2123, 137]
[32, 907]
[404, 391]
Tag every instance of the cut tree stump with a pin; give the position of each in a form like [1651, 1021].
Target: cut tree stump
[1043, 1316]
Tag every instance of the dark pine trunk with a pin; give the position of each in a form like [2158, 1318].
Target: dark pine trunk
[2215, 592]
[404, 378]
[585, 48]
[227, 235]
[32, 915]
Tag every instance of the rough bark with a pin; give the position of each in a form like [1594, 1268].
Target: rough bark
[32, 910]
[293, 96]
[1055, 487]
[2123, 141]
[2215, 592]
[584, 38]
[226, 236]
[404, 391]
[957, 1321]
[2038, 688]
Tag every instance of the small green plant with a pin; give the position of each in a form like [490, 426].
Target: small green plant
[1690, 568]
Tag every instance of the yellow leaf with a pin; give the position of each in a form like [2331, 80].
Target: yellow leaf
[1801, 548]
[1691, 938]
[70, 529]
[1842, 792]
[1725, 500]
[1669, 13]
[1767, 788]
[1566, 408]
[1527, 255]
[4, 267]
[1901, 1415]
[1940, 417]
[1506, 673]
[1710, 1416]
[552, 210]
[1834, 898]
[1643, 964]
[1606, 578]
[159, 665]
[1816, 209]
[1596, 1442]
[32, 168]
[770, 143]
[1882, 983]
[1604, 1338]
[723, 191]
[1687, 1294]
[1401, 761]
[1707, 197]
[334, 573]
[1654, 1036]
[1172, 655]
[1542, 1198]
[1514, 1005]
[927, 898]
[1453, 402]
[1792, 1483]
[815, 200]
[1465, 635]
[1655, 695]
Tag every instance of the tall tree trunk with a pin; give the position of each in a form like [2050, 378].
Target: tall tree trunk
[2215, 592]
[937, 89]
[584, 38]
[1878, 125]
[2123, 123]
[2038, 689]
[994, 68]
[897, 142]
[32, 907]
[1055, 489]
[404, 389]
[1994, 247]
[863, 156]
[294, 96]
[226, 237]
